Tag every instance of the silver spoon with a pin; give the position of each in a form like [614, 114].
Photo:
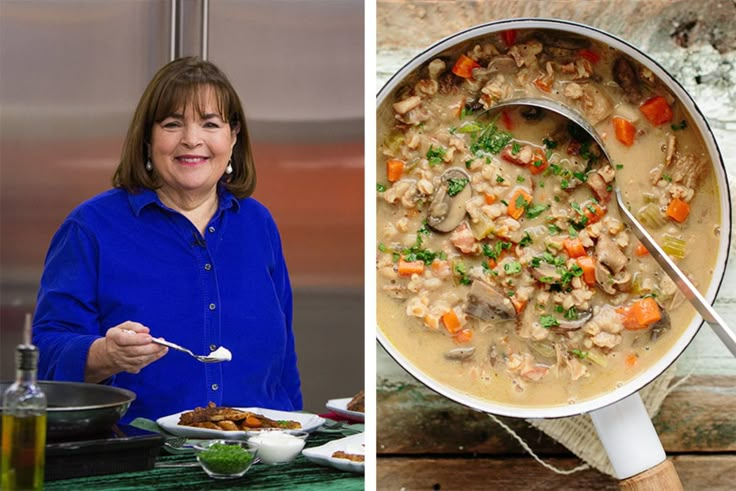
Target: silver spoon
[683, 283]
[169, 344]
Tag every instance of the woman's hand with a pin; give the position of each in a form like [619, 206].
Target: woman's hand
[126, 347]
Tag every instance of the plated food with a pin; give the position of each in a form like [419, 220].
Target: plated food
[308, 421]
[335, 453]
[215, 417]
[503, 268]
[350, 408]
[357, 403]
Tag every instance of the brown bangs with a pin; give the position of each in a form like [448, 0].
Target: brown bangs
[178, 95]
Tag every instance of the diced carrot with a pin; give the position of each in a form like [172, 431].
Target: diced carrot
[394, 169]
[543, 84]
[646, 311]
[641, 250]
[539, 162]
[464, 67]
[631, 359]
[451, 322]
[491, 263]
[574, 247]
[518, 304]
[625, 130]
[587, 264]
[509, 37]
[593, 211]
[490, 198]
[253, 422]
[656, 110]
[464, 336]
[678, 210]
[507, 122]
[629, 320]
[408, 268]
[590, 55]
[518, 203]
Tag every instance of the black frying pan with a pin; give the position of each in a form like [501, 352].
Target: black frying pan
[77, 411]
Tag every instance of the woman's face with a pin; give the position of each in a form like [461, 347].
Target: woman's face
[188, 152]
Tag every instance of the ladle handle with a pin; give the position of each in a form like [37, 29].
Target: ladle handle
[633, 447]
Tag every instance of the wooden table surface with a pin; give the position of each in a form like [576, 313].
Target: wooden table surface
[425, 441]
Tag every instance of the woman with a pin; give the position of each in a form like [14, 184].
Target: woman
[177, 249]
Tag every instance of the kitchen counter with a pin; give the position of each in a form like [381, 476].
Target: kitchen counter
[425, 441]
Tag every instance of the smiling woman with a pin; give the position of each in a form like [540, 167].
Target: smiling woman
[178, 250]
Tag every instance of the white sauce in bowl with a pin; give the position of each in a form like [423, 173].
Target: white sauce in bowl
[275, 447]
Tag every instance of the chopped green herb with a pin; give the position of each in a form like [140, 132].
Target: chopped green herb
[564, 184]
[559, 309]
[581, 176]
[526, 240]
[462, 273]
[382, 247]
[435, 155]
[619, 166]
[535, 210]
[549, 143]
[505, 202]
[571, 314]
[520, 179]
[395, 257]
[576, 270]
[226, 459]
[513, 267]
[572, 232]
[666, 177]
[580, 354]
[500, 179]
[469, 128]
[548, 321]
[679, 126]
[455, 185]
[515, 148]
[468, 163]
[553, 229]
[490, 140]
[380, 188]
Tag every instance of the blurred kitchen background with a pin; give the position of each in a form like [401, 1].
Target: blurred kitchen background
[71, 74]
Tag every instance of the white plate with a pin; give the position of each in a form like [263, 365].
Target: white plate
[310, 422]
[340, 406]
[350, 444]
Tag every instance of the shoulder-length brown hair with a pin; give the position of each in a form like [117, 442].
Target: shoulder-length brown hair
[175, 86]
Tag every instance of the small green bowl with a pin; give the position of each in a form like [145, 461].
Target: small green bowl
[225, 459]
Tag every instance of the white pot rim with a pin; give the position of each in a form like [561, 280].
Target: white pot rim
[683, 97]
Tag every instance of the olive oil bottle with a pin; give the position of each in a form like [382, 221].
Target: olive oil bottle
[24, 423]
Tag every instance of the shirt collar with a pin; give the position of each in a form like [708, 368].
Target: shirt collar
[146, 197]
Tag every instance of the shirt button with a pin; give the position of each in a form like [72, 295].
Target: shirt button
[215, 386]
[213, 347]
[207, 266]
[212, 306]
[211, 229]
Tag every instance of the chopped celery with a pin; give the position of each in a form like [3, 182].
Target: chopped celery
[651, 216]
[482, 228]
[545, 350]
[597, 358]
[674, 247]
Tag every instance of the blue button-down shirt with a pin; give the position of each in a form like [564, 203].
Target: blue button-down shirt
[122, 256]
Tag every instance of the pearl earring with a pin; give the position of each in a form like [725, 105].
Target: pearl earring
[229, 168]
[149, 165]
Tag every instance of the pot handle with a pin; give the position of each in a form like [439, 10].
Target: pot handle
[633, 447]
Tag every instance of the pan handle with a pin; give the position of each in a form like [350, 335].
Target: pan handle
[633, 447]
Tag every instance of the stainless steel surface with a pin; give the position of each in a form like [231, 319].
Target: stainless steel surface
[77, 410]
[204, 31]
[173, 38]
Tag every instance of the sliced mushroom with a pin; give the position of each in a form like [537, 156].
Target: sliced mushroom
[661, 326]
[625, 76]
[622, 281]
[608, 253]
[546, 273]
[484, 302]
[566, 41]
[445, 211]
[574, 324]
[604, 277]
[460, 353]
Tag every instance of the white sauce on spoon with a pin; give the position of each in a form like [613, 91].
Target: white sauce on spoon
[221, 354]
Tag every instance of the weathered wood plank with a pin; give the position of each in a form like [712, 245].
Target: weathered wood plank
[696, 417]
[712, 473]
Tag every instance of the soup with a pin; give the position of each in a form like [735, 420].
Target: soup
[503, 267]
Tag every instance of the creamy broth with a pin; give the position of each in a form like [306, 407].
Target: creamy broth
[525, 287]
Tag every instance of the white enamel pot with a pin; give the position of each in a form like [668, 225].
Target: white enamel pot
[618, 415]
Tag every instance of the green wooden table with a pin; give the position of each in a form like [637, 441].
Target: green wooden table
[299, 475]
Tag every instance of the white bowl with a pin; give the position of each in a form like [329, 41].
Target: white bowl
[278, 447]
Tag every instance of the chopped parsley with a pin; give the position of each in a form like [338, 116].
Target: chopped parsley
[515, 148]
[549, 143]
[490, 140]
[382, 247]
[500, 179]
[513, 267]
[380, 188]
[520, 179]
[455, 185]
[666, 177]
[679, 126]
[580, 354]
[435, 155]
[526, 240]
[495, 251]
[553, 229]
[548, 321]
[619, 166]
[462, 274]
[571, 314]
[535, 210]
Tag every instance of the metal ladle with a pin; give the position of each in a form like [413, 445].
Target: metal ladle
[692, 295]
